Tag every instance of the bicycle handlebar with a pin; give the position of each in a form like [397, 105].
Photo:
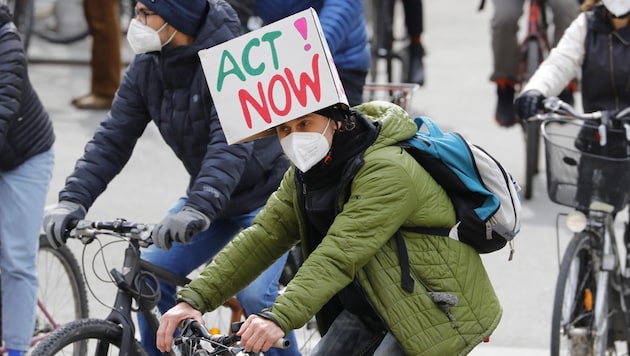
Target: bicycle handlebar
[87, 230]
[193, 331]
[558, 110]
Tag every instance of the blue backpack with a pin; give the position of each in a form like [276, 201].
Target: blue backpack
[485, 196]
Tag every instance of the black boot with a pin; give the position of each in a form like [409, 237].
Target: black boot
[416, 65]
[505, 114]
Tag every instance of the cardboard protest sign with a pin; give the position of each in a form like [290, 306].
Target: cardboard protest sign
[269, 76]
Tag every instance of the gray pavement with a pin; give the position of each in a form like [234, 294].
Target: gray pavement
[457, 94]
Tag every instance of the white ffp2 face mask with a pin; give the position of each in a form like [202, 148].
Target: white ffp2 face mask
[144, 39]
[305, 149]
[617, 7]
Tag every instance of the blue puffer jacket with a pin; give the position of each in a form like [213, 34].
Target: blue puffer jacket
[343, 22]
[25, 128]
[169, 88]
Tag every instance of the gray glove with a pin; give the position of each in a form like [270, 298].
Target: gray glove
[528, 104]
[57, 220]
[180, 227]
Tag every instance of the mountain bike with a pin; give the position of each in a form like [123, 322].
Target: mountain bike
[61, 294]
[23, 17]
[135, 293]
[533, 50]
[590, 310]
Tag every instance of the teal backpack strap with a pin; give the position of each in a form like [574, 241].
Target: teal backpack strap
[432, 127]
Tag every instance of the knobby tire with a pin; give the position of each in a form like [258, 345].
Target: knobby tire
[85, 333]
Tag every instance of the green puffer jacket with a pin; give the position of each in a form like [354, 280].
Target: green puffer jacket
[389, 190]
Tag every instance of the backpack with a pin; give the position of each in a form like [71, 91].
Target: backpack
[485, 196]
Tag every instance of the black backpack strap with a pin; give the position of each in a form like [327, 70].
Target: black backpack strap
[403, 258]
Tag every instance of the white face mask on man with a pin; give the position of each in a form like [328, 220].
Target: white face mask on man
[305, 149]
[144, 39]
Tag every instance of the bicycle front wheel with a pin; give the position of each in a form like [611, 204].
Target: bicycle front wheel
[91, 336]
[572, 323]
[61, 294]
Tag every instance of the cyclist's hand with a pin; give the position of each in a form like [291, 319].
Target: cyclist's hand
[258, 334]
[171, 320]
[57, 219]
[180, 227]
[528, 104]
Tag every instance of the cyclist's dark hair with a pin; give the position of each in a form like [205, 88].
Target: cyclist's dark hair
[339, 113]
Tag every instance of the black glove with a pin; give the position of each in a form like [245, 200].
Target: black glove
[57, 219]
[180, 227]
[528, 104]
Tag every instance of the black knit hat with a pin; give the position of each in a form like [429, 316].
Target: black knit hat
[185, 15]
[336, 112]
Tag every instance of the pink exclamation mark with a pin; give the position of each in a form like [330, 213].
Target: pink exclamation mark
[300, 24]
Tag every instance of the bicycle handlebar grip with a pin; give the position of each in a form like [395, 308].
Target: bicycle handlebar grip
[281, 343]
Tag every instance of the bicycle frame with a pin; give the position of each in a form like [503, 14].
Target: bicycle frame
[133, 265]
[536, 31]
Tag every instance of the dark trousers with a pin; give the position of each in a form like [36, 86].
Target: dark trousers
[353, 82]
[414, 18]
[103, 20]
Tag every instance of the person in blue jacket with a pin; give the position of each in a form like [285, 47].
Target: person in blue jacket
[228, 185]
[344, 26]
[26, 166]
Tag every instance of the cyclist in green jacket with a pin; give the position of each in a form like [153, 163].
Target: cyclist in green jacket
[349, 191]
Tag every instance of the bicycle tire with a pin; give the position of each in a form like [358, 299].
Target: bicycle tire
[532, 134]
[23, 18]
[62, 289]
[532, 143]
[63, 23]
[572, 321]
[88, 333]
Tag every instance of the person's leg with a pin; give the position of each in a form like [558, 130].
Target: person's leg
[564, 12]
[183, 259]
[389, 347]
[23, 191]
[347, 335]
[261, 294]
[263, 291]
[353, 82]
[414, 21]
[103, 20]
[504, 26]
